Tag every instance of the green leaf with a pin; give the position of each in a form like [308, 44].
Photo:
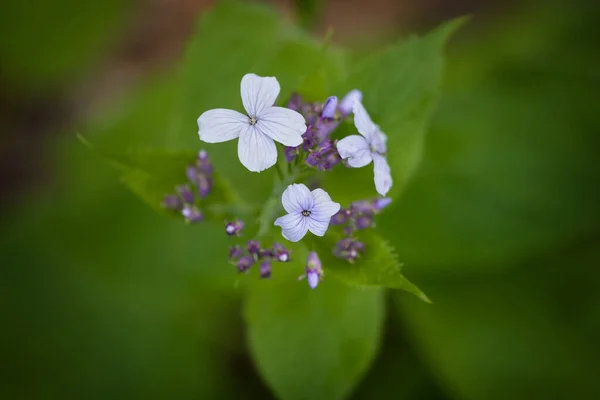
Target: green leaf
[312, 344]
[378, 266]
[400, 88]
[153, 173]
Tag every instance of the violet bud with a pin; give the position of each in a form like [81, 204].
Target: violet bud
[295, 102]
[186, 193]
[330, 161]
[290, 153]
[253, 247]
[313, 278]
[341, 217]
[314, 269]
[191, 173]
[235, 251]
[348, 101]
[329, 108]
[381, 203]
[234, 228]
[192, 214]
[203, 163]
[265, 269]
[244, 263]
[204, 186]
[172, 202]
[364, 222]
[281, 253]
[313, 158]
[348, 230]
[362, 207]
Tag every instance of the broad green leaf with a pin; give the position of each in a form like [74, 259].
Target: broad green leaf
[312, 344]
[378, 266]
[400, 88]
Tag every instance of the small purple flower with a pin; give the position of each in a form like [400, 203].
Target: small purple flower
[253, 247]
[234, 228]
[235, 252]
[314, 270]
[307, 211]
[349, 249]
[348, 230]
[203, 163]
[341, 217]
[192, 174]
[348, 101]
[281, 253]
[381, 203]
[371, 146]
[364, 222]
[290, 153]
[362, 207]
[172, 202]
[329, 108]
[186, 193]
[265, 269]
[192, 214]
[245, 263]
[313, 158]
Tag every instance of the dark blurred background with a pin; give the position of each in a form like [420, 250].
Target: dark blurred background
[102, 298]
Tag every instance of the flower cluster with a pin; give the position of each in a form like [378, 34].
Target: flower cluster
[199, 185]
[305, 130]
[245, 257]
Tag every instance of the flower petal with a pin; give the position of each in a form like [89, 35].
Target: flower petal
[293, 226]
[296, 198]
[256, 151]
[348, 101]
[317, 227]
[356, 149]
[221, 125]
[282, 125]
[324, 207]
[383, 177]
[258, 93]
[362, 121]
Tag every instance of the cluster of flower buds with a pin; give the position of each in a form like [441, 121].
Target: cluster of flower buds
[321, 119]
[200, 183]
[359, 216]
[314, 270]
[245, 257]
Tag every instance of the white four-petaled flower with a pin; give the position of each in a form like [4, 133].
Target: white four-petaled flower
[257, 130]
[307, 211]
[371, 146]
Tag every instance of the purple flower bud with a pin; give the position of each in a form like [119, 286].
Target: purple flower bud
[362, 207]
[313, 278]
[341, 217]
[244, 263]
[309, 139]
[313, 261]
[281, 253]
[186, 193]
[204, 186]
[348, 230]
[192, 214]
[234, 227]
[381, 203]
[329, 108]
[364, 222]
[348, 101]
[235, 251]
[172, 202]
[313, 158]
[295, 102]
[203, 163]
[290, 153]
[330, 161]
[253, 247]
[265, 269]
[191, 173]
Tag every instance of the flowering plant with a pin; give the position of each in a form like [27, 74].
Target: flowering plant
[289, 180]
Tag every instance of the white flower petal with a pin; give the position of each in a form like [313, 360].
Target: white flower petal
[258, 93]
[324, 207]
[221, 125]
[383, 177]
[348, 101]
[256, 151]
[296, 198]
[318, 228]
[282, 125]
[356, 149]
[293, 226]
[362, 121]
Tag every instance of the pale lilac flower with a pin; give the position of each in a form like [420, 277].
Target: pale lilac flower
[371, 146]
[314, 270]
[329, 108]
[307, 211]
[257, 130]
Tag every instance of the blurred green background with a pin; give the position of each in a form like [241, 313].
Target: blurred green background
[102, 298]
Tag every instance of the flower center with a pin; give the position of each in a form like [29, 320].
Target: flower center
[252, 120]
[306, 213]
